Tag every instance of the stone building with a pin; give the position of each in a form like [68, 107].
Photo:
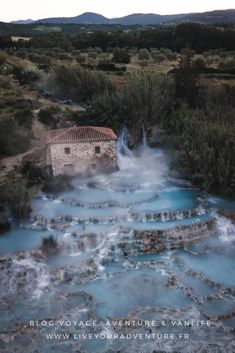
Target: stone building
[81, 150]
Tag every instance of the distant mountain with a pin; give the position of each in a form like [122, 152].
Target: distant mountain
[146, 19]
[217, 16]
[23, 22]
[85, 18]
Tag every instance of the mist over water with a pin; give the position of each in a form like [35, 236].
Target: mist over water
[104, 270]
[147, 167]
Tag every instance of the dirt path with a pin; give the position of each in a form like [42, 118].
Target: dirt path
[44, 102]
[37, 150]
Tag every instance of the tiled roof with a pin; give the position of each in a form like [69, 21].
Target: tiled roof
[80, 134]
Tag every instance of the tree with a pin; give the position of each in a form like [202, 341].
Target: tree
[81, 59]
[5, 42]
[228, 64]
[143, 63]
[143, 54]
[147, 99]
[186, 78]
[25, 76]
[14, 138]
[121, 56]
[49, 116]
[199, 65]
[92, 54]
[105, 110]
[158, 58]
[74, 82]
[17, 196]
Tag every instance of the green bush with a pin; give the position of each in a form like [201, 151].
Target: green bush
[74, 82]
[121, 56]
[15, 122]
[143, 54]
[49, 116]
[158, 58]
[14, 138]
[206, 140]
[24, 76]
[144, 99]
[17, 196]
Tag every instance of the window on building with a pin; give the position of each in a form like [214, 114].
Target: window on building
[97, 149]
[67, 150]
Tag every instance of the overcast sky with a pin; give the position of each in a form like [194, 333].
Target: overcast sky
[23, 9]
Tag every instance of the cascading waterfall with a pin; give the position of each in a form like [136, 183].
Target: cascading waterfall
[225, 228]
[132, 244]
[122, 143]
[149, 167]
[145, 141]
[24, 276]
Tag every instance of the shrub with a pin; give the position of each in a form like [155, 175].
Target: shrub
[14, 138]
[143, 54]
[4, 82]
[121, 56]
[75, 82]
[143, 63]
[158, 58]
[3, 57]
[49, 116]
[144, 99]
[171, 56]
[81, 59]
[199, 64]
[110, 67]
[24, 76]
[24, 116]
[17, 196]
[92, 54]
[227, 64]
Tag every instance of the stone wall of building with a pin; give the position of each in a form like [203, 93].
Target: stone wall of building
[82, 157]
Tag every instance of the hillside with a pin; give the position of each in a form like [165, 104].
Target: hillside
[217, 16]
[85, 18]
[146, 19]
[23, 22]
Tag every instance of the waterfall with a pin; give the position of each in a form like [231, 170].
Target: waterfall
[24, 276]
[147, 167]
[145, 141]
[225, 228]
[122, 144]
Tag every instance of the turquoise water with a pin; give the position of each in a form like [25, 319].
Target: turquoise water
[217, 267]
[21, 239]
[173, 198]
[92, 278]
[127, 293]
